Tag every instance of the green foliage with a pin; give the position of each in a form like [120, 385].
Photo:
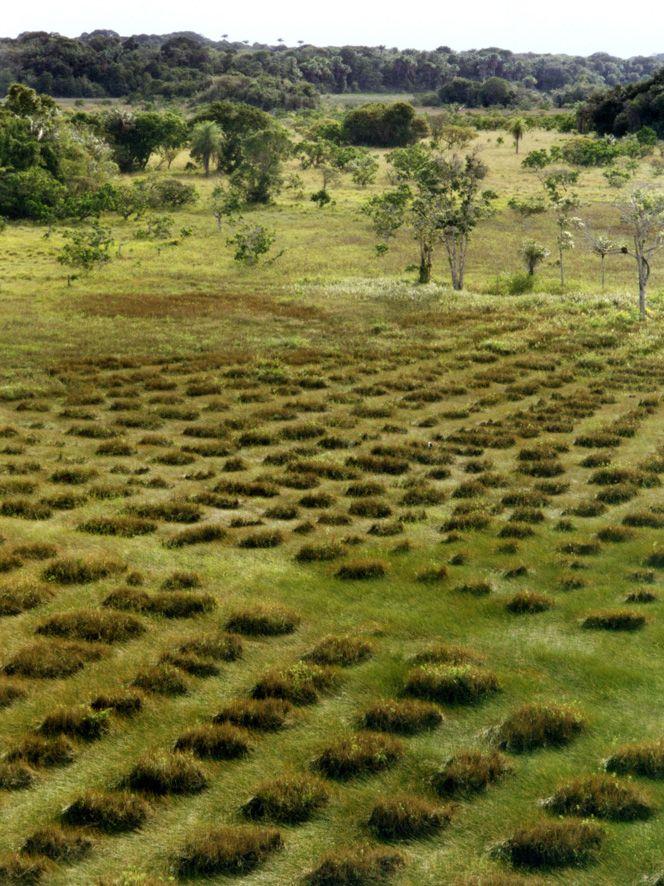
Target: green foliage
[86, 248]
[383, 125]
[135, 137]
[251, 243]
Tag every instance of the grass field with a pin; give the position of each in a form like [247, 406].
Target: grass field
[206, 472]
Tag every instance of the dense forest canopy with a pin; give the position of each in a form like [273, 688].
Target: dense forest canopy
[104, 64]
[627, 109]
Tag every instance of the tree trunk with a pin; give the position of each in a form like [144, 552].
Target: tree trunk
[644, 273]
[562, 268]
[425, 265]
[602, 261]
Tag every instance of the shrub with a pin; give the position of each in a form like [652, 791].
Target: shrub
[468, 773]
[15, 776]
[538, 726]
[356, 570]
[110, 812]
[403, 717]
[67, 846]
[126, 704]
[70, 571]
[299, 684]
[363, 753]
[288, 800]
[217, 741]
[162, 679]
[102, 627]
[645, 759]
[162, 774]
[51, 660]
[343, 651]
[451, 684]
[601, 796]
[361, 866]
[125, 527]
[552, 845]
[264, 715]
[76, 722]
[263, 621]
[319, 553]
[227, 850]
[195, 536]
[406, 817]
[529, 602]
[615, 620]
[39, 751]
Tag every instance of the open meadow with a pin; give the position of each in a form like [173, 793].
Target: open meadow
[309, 574]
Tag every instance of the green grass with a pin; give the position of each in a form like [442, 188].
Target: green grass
[329, 327]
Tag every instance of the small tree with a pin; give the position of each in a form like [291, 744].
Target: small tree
[85, 249]
[225, 203]
[533, 254]
[251, 242]
[517, 129]
[363, 170]
[644, 215]
[206, 141]
[563, 200]
[600, 244]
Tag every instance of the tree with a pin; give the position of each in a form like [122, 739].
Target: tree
[86, 248]
[533, 254]
[600, 244]
[517, 129]
[439, 199]
[237, 121]
[384, 125]
[206, 141]
[259, 173]
[251, 242]
[225, 203]
[644, 215]
[135, 137]
[453, 137]
[363, 170]
[563, 200]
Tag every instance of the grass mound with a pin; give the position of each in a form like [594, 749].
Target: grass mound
[553, 844]
[42, 752]
[600, 796]
[124, 527]
[10, 693]
[106, 811]
[287, 800]
[267, 538]
[301, 683]
[66, 846]
[469, 773]
[71, 571]
[364, 753]
[217, 741]
[162, 679]
[15, 776]
[343, 651]
[406, 817]
[92, 625]
[51, 660]
[125, 704]
[21, 870]
[356, 570]
[538, 726]
[263, 621]
[451, 684]
[528, 603]
[263, 715]
[196, 535]
[356, 866]
[219, 646]
[13, 601]
[228, 850]
[614, 620]
[645, 759]
[320, 553]
[444, 653]
[76, 722]
[180, 604]
[161, 774]
[403, 717]
[169, 511]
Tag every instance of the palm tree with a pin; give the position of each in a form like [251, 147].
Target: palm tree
[517, 129]
[206, 138]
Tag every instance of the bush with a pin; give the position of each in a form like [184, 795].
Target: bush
[38, 751]
[66, 846]
[227, 850]
[102, 627]
[162, 679]
[263, 621]
[469, 773]
[218, 741]
[299, 684]
[265, 715]
[645, 759]
[162, 774]
[538, 726]
[288, 800]
[52, 660]
[552, 845]
[76, 722]
[402, 717]
[110, 812]
[406, 817]
[363, 753]
[343, 651]
[361, 866]
[529, 602]
[451, 684]
[601, 796]
[355, 570]
[616, 620]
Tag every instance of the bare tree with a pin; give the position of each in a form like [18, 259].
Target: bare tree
[643, 213]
